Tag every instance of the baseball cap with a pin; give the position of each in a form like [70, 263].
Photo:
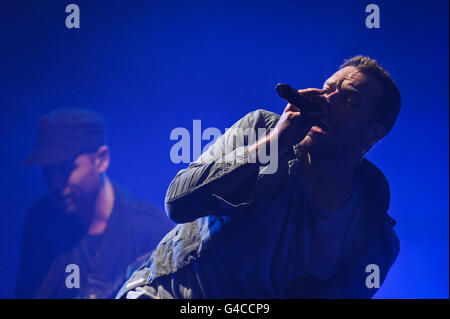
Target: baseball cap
[66, 133]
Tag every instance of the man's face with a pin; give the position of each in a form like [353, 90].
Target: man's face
[351, 97]
[73, 185]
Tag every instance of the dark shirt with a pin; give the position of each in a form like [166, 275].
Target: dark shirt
[52, 240]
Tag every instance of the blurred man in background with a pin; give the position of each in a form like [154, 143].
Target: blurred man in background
[80, 238]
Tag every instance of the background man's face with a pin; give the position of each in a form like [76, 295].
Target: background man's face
[73, 185]
[351, 97]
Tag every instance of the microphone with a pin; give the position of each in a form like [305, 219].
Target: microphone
[290, 95]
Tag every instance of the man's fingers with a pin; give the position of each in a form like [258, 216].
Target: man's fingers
[291, 108]
[311, 91]
[317, 101]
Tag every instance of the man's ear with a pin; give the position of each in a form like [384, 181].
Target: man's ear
[375, 133]
[102, 159]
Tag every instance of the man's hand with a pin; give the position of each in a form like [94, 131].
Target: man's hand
[293, 125]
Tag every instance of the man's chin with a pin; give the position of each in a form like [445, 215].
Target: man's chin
[316, 142]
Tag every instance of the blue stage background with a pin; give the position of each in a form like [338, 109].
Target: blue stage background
[152, 66]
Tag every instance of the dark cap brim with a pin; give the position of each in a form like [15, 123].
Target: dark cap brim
[50, 156]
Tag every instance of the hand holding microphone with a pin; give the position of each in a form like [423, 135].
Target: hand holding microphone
[305, 103]
[305, 109]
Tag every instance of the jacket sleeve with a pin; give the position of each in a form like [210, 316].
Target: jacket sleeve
[222, 178]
